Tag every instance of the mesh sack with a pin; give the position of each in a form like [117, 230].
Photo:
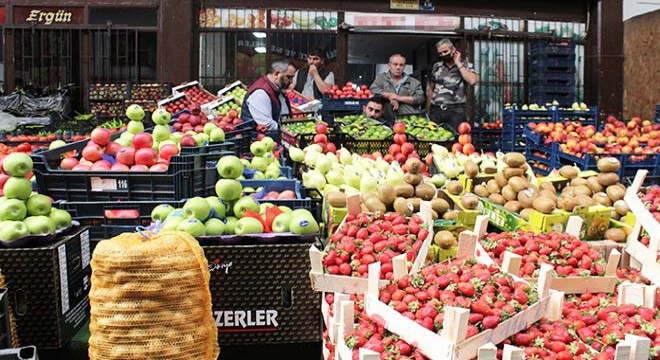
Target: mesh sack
[150, 299]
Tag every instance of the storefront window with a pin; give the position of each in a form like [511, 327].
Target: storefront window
[46, 57]
[295, 46]
[122, 55]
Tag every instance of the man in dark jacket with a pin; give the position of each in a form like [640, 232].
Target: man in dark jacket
[404, 92]
[313, 80]
[265, 101]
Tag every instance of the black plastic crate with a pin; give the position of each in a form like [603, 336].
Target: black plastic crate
[552, 81]
[546, 47]
[486, 139]
[5, 328]
[242, 138]
[24, 353]
[348, 104]
[187, 176]
[226, 147]
[362, 146]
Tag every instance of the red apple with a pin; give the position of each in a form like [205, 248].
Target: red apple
[287, 194]
[101, 136]
[464, 128]
[111, 148]
[331, 148]
[168, 150]
[399, 138]
[126, 155]
[139, 168]
[394, 149]
[68, 163]
[92, 153]
[142, 140]
[145, 156]
[407, 148]
[158, 168]
[81, 167]
[188, 141]
[119, 167]
[321, 128]
[320, 139]
[184, 118]
[195, 120]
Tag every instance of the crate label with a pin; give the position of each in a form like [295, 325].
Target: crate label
[85, 254]
[246, 320]
[64, 278]
[101, 184]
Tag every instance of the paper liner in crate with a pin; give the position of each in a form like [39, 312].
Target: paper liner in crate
[39, 239]
[641, 256]
[355, 285]
[230, 87]
[209, 107]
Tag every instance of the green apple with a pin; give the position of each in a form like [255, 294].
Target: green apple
[303, 223]
[176, 137]
[197, 207]
[246, 163]
[217, 135]
[12, 230]
[208, 127]
[172, 223]
[61, 218]
[127, 135]
[38, 205]
[201, 139]
[230, 225]
[286, 209]
[270, 157]
[160, 117]
[258, 175]
[281, 223]
[192, 226]
[17, 164]
[259, 163]
[246, 190]
[268, 142]
[228, 189]
[272, 173]
[161, 132]
[161, 212]
[18, 188]
[248, 225]
[123, 141]
[214, 227]
[134, 127]
[263, 207]
[230, 167]
[219, 208]
[296, 155]
[55, 144]
[39, 224]
[12, 209]
[244, 204]
[274, 165]
[135, 112]
[257, 148]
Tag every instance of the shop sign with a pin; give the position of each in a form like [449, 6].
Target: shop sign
[401, 22]
[414, 5]
[303, 20]
[232, 18]
[48, 15]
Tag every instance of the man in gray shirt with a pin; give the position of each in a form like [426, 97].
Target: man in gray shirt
[404, 92]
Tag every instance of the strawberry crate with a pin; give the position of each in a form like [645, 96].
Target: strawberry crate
[279, 186]
[194, 86]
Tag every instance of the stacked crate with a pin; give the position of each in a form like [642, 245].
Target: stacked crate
[552, 73]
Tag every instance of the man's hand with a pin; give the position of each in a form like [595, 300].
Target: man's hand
[395, 104]
[457, 58]
[313, 70]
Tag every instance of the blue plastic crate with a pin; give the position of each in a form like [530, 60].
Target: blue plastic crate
[588, 117]
[540, 62]
[545, 47]
[564, 99]
[537, 169]
[281, 185]
[508, 146]
[533, 137]
[530, 149]
[554, 80]
[631, 163]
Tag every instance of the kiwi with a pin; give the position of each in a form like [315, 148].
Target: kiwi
[513, 206]
[492, 187]
[445, 239]
[569, 172]
[471, 169]
[547, 186]
[509, 194]
[439, 205]
[544, 204]
[583, 190]
[602, 199]
[497, 199]
[386, 194]
[511, 172]
[608, 165]
[454, 187]
[450, 215]
[501, 180]
[481, 190]
[415, 202]
[578, 181]
[402, 207]
[568, 203]
[434, 215]
[615, 234]
[594, 185]
[616, 192]
[524, 213]
[404, 190]
[584, 200]
[374, 205]
[548, 194]
[607, 179]
[527, 197]
[367, 195]
[413, 165]
[568, 191]
[621, 207]
[490, 170]
[614, 215]
[336, 199]
[518, 184]
[469, 201]
[413, 179]
[514, 159]
[425, 191]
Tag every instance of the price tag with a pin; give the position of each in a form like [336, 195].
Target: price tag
[64, 278]
[85, 253]
[101, 184]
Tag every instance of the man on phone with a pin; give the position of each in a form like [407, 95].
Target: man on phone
[446, 96]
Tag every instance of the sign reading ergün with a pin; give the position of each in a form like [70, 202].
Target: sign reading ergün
[48, 15]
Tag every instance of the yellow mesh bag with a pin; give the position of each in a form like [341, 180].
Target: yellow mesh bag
[150, 299]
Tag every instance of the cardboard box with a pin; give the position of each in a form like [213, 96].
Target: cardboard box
[48, 289]
[545, 223]
[466, 217]
[261, 294]
[596, 221]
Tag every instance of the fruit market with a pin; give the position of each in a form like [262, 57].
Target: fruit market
[391, 180]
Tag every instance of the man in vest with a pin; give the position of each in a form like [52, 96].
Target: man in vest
[312, 81]
[265, 102]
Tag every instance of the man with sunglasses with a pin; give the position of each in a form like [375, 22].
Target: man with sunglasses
[313, 80]
[265, 101]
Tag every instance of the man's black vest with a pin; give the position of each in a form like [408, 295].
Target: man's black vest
[302, 79]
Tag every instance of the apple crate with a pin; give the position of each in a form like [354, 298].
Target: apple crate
[187, 176]
[48, 288]
[629, 163]
[209, 108]
[5, 328]
[231, 87]
[181, 89]
[348, 104]
[279, 186]
[24, 353]
[174, 104]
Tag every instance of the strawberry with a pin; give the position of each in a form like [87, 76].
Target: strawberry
[466, 288]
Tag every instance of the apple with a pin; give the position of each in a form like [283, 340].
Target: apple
[160, 167]
[139, 168]
[286, 209]
[192, 226]
[172, 222]
[258, 148]
[281, 222]
[40, 224]
[272, 173]
[17, 164]
[100, 136]
[82, 167]
[229, 167]
[217, 135]
[160, 117]
[135, 112]
[119, 167]
[18, 188]
[111, 148]
[244, 204]
[258, 175]
[197, 207]
[142, 140]
[228, 189]
[161, 212]
[38, 204]
[61, 218]
[12, 230]
[248, 225]
[55, 144]
[101, 165]
[188, 141]
[209, 127]
[303, 222]
[218, 208]
[168, 150]
[134, 127]
[259, 163]
[201, 139]
[161, 132]
[12, 209]
[287, 194]
[68, 163]
[230, 225]
[92, 153]
[145, 156]
[214, 227]
[268, 143]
